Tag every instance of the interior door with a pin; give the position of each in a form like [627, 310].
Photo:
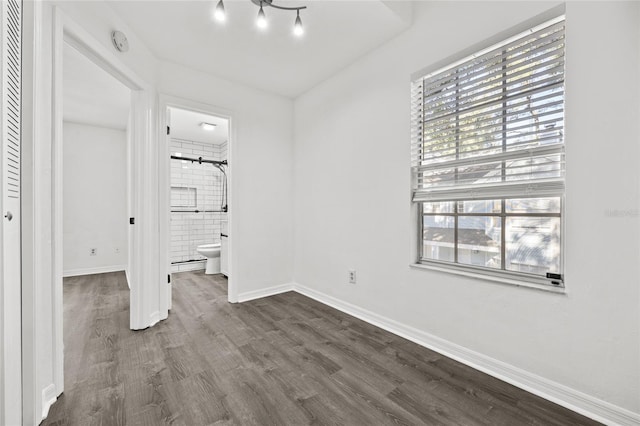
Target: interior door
[10, 111]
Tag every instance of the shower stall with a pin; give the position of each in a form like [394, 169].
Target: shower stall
[198, 200]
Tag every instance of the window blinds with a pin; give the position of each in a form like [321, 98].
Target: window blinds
[491, 126]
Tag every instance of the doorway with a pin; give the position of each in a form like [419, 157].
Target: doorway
[96, 109]
[198, 195]
[94, 154]
[143, 271]
[199, 191]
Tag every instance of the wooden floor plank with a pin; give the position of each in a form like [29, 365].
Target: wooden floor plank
[281, 360]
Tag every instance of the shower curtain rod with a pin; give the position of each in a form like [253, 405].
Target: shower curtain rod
[200, 160]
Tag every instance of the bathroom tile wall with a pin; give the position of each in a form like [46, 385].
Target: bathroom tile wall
[195, 187]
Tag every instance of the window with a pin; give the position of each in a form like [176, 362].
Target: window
[488, 159]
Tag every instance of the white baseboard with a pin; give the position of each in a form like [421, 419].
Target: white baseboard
[265, 292]
[91, 271]
[48, 398]
[572, 399]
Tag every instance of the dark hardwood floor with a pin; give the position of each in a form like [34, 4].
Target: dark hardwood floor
[282, 360]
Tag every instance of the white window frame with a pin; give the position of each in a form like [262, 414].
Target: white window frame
[498, 275]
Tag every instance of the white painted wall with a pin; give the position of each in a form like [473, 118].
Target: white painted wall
[261, 188]
[99, 19]
[94, 199]
[353, 209]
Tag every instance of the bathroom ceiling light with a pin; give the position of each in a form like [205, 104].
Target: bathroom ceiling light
[208, 126]
[261, 20]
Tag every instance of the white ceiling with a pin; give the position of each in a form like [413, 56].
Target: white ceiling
[336, 34]
[186, 125]
[91, 95]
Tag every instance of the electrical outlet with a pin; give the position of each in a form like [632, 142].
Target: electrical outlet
[93, 252]
[117, 250]
[352, 276]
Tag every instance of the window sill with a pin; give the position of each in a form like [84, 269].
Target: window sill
[468, 272]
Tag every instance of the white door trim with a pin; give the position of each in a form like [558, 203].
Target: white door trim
[167, 101]
[32, 27]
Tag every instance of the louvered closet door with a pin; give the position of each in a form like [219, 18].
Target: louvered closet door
[11, 69]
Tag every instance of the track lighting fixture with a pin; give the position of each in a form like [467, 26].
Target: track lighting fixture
[261, 20]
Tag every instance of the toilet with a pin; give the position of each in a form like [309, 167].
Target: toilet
[212, 253]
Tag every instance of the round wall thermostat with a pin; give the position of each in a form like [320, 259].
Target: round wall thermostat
[120, 41]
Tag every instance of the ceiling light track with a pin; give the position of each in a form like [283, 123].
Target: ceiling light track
[270, 3]
[261, 20]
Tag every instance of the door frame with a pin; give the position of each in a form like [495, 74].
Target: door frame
[166, 102]
[65, 30]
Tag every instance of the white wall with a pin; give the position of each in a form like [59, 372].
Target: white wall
[353, 210]
[94, 199]
[261, 189]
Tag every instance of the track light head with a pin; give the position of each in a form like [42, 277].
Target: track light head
[261, 22]
[298, 30]
[219, 14]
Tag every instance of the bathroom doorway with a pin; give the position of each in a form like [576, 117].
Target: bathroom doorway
[198, 145]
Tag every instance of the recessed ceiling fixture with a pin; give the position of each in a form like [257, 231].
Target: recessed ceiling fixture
[208, 126]
[261, 20]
